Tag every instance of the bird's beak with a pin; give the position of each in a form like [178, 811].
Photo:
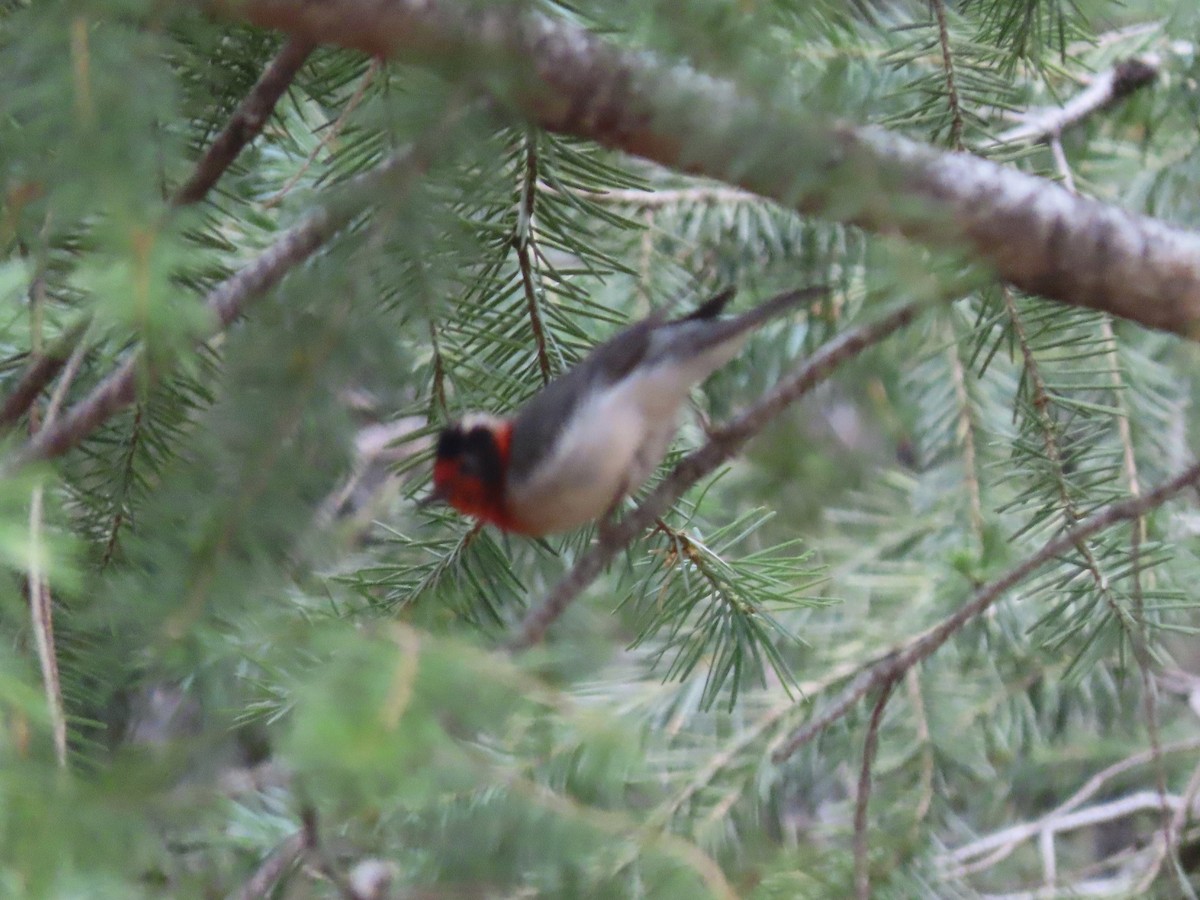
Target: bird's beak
[432, 499]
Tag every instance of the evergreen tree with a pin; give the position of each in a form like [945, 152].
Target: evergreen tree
[907, 612]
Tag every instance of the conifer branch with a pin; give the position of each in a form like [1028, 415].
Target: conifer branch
[1029, 231]
[993, 848]
[723, 443]
[904, 657]
[264, 879]
[956, 115]
[246, 122]
[862, 873]
[1039, 403]
[330, 135]
[1140, 638]
[229, 300]
[656, 199]
[42, 369]
[41, 603]
[1106, 89]
[966, 420]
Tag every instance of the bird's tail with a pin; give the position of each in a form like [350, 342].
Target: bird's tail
[776, 306]
[704, 330]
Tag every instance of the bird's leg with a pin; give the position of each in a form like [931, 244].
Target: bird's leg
[608, 521]
[707, 425]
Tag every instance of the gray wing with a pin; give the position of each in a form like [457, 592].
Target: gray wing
[537, 425]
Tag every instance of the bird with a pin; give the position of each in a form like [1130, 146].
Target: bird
[596, 433]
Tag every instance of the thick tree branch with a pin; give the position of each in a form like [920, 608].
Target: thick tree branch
[903, 658]
[1031, 232]
[724, 443]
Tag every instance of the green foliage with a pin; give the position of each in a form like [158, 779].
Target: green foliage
[254, 623]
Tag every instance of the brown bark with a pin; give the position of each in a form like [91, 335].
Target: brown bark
[1031, 232]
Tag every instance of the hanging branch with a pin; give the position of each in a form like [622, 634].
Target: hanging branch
[521, 239]
[1030, 231]
[903, 658]
[230, 299]
[722, 444]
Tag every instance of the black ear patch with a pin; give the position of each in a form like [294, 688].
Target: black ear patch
[450, 442]
[475, 451]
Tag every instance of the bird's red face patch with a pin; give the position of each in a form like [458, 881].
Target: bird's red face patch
[469, 472]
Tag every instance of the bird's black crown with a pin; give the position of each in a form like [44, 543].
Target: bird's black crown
[474, 449]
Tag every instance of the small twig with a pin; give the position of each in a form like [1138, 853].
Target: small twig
[912, 681]
[1004, 842]
[862, 873]
[522, 238]
[230, 299]
[311, 835]
[721, 445]
[905, 657]
[328, 138]
[1061, 164]
[247, 121]
[1106, 88]
[41, 604]
[965, 432]
[995, 847]
[42, 617]
[439, 370]
[956, 116]
[1165, 850]
[645, 257]
[273, 868]
[866, 680]
[42, 369]
[119, 498]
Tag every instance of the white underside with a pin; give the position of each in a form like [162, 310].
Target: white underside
[614, 443]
